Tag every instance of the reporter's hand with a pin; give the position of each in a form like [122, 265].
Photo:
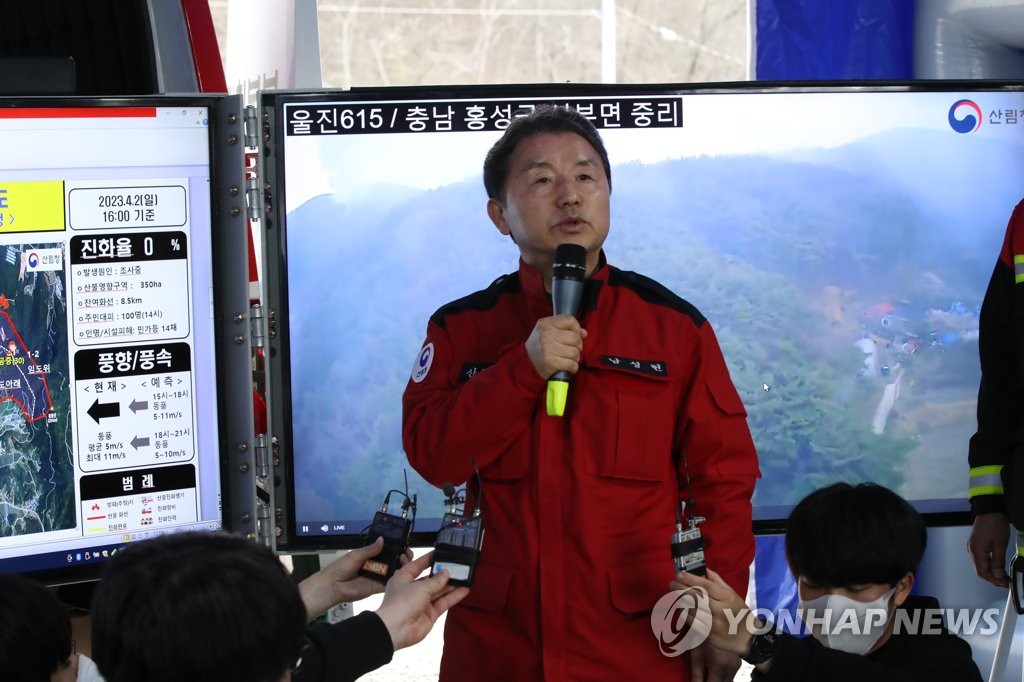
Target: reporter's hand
[555, 345]
[340, 581]
[708, 664]
[411, 607]
[990, 535]
[722, 634]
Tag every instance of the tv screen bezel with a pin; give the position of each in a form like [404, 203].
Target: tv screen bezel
[229, 273]
[767, 518]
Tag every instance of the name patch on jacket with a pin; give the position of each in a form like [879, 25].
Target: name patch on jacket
[471, 369]
[654, 368]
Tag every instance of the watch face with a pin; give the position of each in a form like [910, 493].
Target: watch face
[762, 647]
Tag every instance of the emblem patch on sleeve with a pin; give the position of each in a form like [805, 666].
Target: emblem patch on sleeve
[424, 360]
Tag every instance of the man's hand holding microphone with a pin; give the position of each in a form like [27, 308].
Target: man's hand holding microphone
[556, 343]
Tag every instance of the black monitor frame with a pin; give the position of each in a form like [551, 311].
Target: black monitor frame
[951, 511]
[228, 306]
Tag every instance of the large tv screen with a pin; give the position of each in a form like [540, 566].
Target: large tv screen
[110, 427]
[839, 238]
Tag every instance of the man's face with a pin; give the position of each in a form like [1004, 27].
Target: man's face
[556, 193]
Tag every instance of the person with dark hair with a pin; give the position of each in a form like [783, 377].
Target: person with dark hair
[854, 551]
[580, 507]
[35, 636]
[213, 606]
[848, 535]
[996, 450]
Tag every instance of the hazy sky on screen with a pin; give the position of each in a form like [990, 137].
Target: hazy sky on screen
[718, 124]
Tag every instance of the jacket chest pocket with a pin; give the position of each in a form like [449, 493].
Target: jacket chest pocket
[629, 424]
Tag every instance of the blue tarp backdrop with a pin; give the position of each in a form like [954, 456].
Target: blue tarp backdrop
[774, 586]
[834, 40]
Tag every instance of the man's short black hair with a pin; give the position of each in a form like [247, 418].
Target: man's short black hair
[35, 631]
[196, 606]
[545, 118]
[843, 535]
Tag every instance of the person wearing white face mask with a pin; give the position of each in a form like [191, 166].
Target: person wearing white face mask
[854, 550]
[847, 619]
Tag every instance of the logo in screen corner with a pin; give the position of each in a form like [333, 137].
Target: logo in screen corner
[965, 116]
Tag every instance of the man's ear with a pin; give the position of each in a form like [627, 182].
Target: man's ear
[903, 589]
[496, 212]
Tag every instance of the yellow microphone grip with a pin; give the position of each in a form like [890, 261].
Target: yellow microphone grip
[558, 391]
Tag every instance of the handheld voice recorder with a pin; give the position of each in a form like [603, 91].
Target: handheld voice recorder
[396, 530]
[688, 544]
[459, 541]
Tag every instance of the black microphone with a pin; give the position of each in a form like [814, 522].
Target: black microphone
[567, 275]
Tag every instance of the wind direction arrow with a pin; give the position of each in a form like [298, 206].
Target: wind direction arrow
[100, 410]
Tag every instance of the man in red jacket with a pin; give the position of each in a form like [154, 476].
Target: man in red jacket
[579, 509]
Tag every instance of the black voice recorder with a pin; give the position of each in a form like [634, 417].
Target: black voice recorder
[396, 530]
[688, 544]
[459, 542]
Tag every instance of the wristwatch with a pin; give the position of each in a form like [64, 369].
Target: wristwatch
[763, 645]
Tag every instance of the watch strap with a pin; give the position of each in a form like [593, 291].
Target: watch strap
[763, 646]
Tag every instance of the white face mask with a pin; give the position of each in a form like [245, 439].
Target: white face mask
[845, 624]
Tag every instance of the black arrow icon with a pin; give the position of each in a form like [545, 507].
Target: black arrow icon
[100, 410]
[139, 441]
[137, 405]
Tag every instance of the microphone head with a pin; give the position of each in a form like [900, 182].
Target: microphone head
[449, 490]
[570, 262]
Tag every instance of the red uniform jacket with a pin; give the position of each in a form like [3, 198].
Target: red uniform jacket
[579, 510]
